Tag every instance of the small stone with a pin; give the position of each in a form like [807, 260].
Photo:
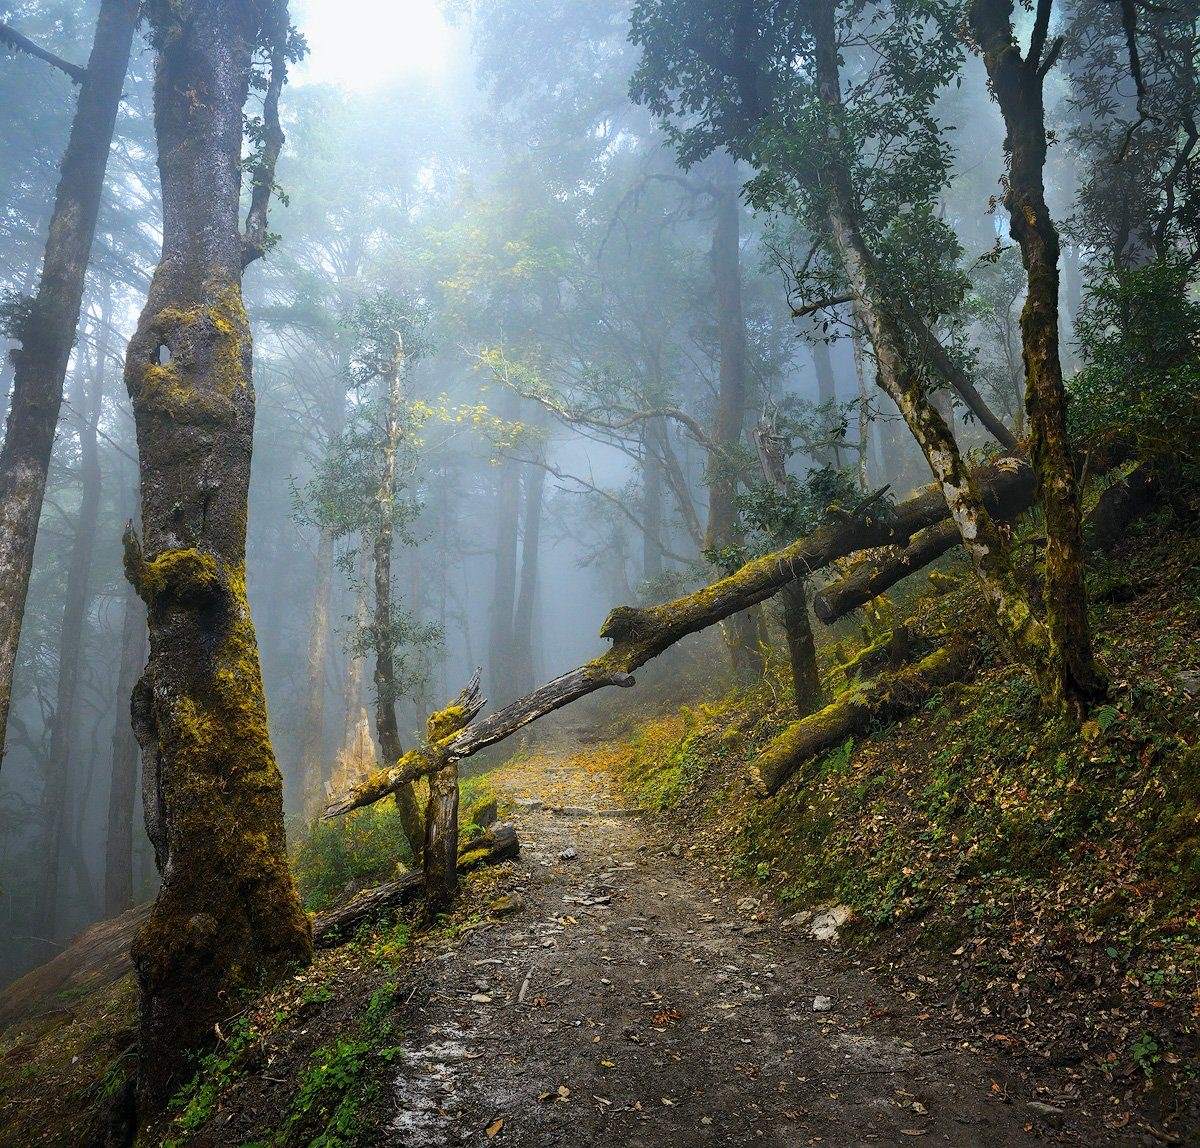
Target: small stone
[676, 850]
[747, 905]
[568, 854]
[480, 998]
[822, 1004]
[1189, 682]
[508, 904]
[530, 802]
[827, 922]
[1049, 1111]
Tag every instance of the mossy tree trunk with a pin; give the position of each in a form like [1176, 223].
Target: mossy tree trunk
[47, 332]
[723, 529]
[58, 788]
[227, 918]
[1017, 81]
[383, 624]
[986, 547]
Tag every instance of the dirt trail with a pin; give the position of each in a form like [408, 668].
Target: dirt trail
[633, 1000]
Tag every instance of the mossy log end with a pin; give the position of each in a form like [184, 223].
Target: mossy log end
[886, 698]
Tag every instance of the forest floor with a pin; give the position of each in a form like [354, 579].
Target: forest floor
[630, 995]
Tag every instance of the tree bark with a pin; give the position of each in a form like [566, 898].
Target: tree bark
[723, 528]
[383, 624]
[48, 333]
[886, 698]
[1022, 633]
[227, 918]
[122, 789]
[70, 646]
[1017, 83]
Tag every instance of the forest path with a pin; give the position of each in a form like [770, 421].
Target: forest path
[633, 999]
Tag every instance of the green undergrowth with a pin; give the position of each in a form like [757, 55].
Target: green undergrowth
[981, 830]
[333, 859]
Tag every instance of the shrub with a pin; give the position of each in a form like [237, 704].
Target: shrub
[363, 848]
[1139, 333]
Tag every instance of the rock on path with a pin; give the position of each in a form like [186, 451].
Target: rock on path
[628, 1000]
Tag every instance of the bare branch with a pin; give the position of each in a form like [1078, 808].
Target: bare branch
[19, 43]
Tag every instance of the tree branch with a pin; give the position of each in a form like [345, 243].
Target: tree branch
[19, 43]
[255, 238]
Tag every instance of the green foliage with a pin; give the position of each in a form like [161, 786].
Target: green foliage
[1139, 333]
[808, 502]
[328, 1094]
[363, 848]
[216, 1070]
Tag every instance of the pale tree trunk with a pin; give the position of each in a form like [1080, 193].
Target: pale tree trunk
[985, 545]
[227, 919]
[122, 789]
[47, 335]
[830, 454]
[1017, 83]
[58, 787]
[352, 690]
[652, 499]
[383, 625]
[312, 737]
[723, 528]
[504, 575]
[523, 617]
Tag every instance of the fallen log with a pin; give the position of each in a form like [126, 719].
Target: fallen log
[331, 927]
[885, 698]
[881, 569]
[639, 634]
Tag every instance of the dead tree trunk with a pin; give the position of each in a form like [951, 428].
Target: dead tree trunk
[383, 628]
[122, 789]
[802, 649]
[1017, 82]
[227, 918]
[47, 333]
[886, 698]
[70, 647]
